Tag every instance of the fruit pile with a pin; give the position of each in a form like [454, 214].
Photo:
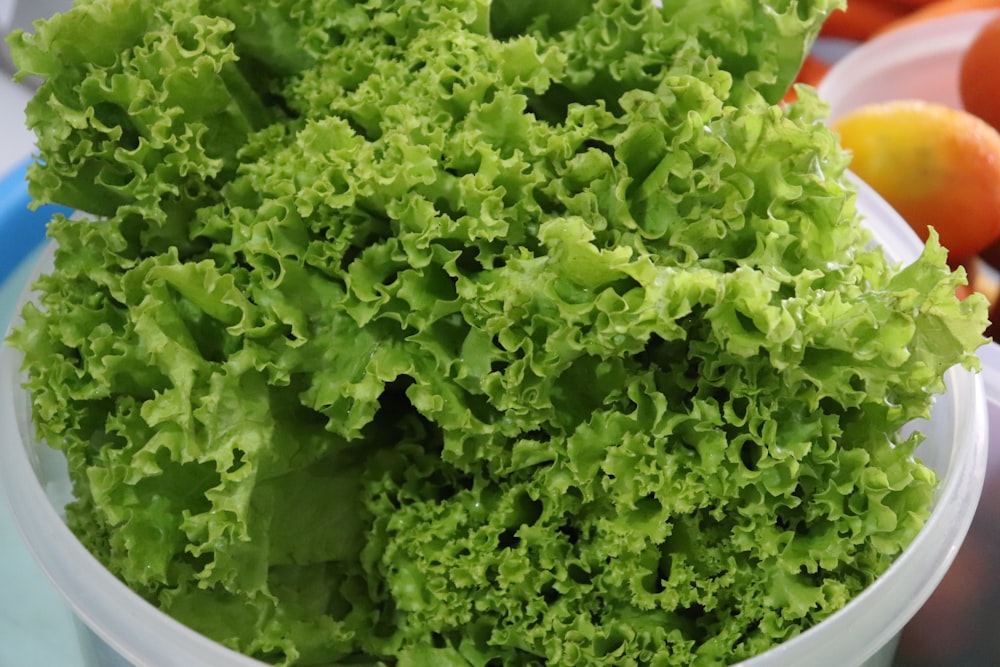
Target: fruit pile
[938, 166]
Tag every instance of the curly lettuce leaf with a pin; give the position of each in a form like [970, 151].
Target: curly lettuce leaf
[142, 108]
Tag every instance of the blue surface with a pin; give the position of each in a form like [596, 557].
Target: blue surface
[21, 229]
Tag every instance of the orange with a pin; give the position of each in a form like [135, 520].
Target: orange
[937, 166]
[979, 76]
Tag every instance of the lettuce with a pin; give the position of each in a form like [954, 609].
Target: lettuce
[473, 333]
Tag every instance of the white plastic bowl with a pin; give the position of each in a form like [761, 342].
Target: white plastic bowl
[120, 628]
[919, 61]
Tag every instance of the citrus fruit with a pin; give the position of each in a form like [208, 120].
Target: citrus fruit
[979, 76]
[937, 166]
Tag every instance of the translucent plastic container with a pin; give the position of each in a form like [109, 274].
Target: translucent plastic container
[120, 629]
[920, 61]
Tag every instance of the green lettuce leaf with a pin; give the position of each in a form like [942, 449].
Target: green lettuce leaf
[473, 333]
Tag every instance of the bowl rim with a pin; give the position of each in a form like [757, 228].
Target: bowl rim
[920, 40]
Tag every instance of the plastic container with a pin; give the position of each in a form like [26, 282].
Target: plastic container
[118, 628]
[919, 61]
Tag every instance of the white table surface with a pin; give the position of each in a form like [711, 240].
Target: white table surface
[36, 627]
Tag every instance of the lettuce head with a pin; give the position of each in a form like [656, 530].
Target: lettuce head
[471, 333]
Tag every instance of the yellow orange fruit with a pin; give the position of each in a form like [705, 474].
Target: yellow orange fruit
[937, 166]
[979, 76]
